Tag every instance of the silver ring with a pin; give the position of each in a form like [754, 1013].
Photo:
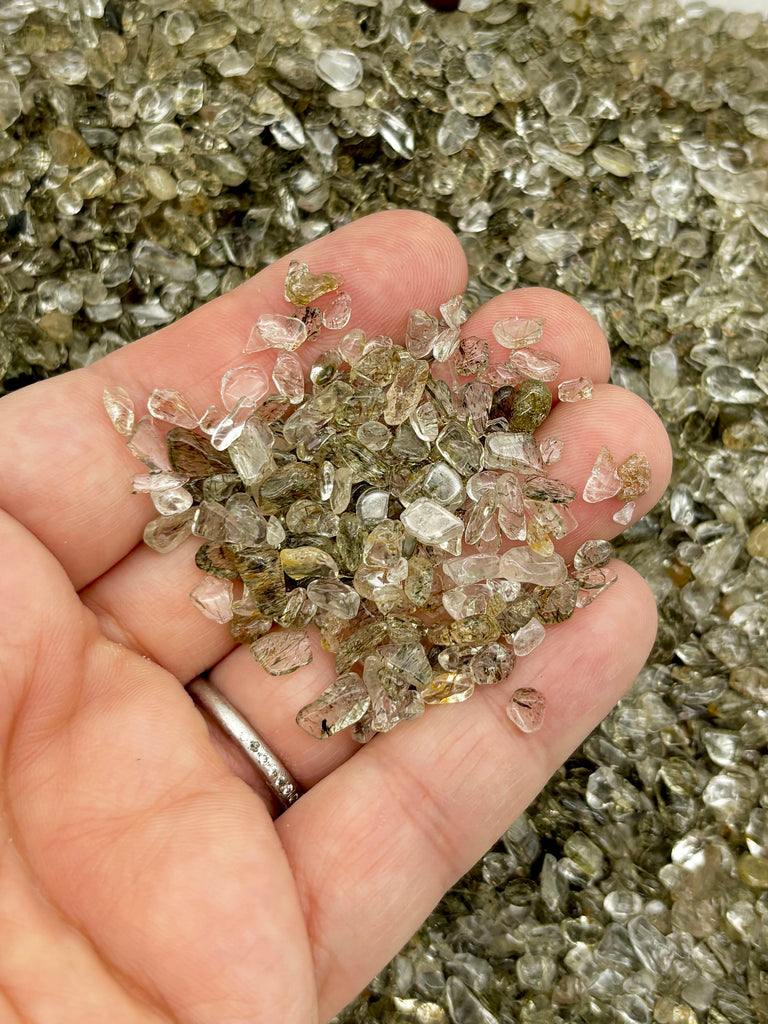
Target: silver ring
[230, 721]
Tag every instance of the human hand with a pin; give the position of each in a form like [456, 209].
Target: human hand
[143, 878]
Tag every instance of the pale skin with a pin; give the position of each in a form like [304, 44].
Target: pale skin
[143, 878]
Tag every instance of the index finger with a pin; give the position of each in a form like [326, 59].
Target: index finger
[66, 476]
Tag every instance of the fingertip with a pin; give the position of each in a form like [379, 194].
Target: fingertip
[570, 332]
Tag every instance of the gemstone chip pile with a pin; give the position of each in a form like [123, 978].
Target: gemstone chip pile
[397, 501]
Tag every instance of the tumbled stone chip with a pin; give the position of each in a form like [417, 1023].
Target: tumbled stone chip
[282, 651]
[526, 709]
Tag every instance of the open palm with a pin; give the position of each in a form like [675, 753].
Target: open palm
[142, 876]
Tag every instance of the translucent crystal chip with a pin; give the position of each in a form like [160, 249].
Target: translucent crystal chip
[491, 664]
[335, 597]
[551, 449]
[425, 422]
[10, 99]
[214, 598]
[453, 311]
[148, 482]
[231, 425]
[406, 390]
[246, 384]
[595, 553]
[522, 565]
[511, 451]
[635, 476]
[148, 445]
[471, 568]
[168, 532]
[460, 448]
[624, 515]
[535, 363]
[431, 523]
[526, 709]
[473, 599]
[120, 409]
[470, 356]
[518, 332]
[390, 704]
[244, 525]
[337, 313]
[352, 346]
[374, 435]
[372, 506]
[302, 287]
[603, 482]
[172, 407]
[288, 377]
[342, 704]
[341, 69]
[282, 651]
[448, 688]
[308, 562]
[273, 330]
[408, 662]
[251, 451]
[172, 501]
[577, 390]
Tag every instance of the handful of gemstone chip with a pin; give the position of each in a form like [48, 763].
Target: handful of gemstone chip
[397, 498]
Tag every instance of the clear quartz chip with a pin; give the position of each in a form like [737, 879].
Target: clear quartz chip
[518, 332]
[453, 311]
[431, 523]
[148, 482]
[148, 445]
[522, 565]
[246, 384]
[213, 597]
[273, 330]
[288, 377]
[168, 532]
[528, 638]
[624, 515]
[342, 704]
[337, 313]
[171, 406]
[425, 422]
[551, 449]
[472, 568]
[230, 426]
[577, 390]
[603, 482]
[282, 651]
[446, 343]
[512, 451]
[526, 709]
[420, 333]
[535, 364]
[120, 409]
[595, 553]
[172, 501]
[335, 597]
[341, 69]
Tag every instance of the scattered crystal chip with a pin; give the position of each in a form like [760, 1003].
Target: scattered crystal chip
[526, 709]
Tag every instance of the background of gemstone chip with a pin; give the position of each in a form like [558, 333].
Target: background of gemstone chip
[154, 153]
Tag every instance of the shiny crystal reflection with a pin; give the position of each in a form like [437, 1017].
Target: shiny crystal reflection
[153, 160]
